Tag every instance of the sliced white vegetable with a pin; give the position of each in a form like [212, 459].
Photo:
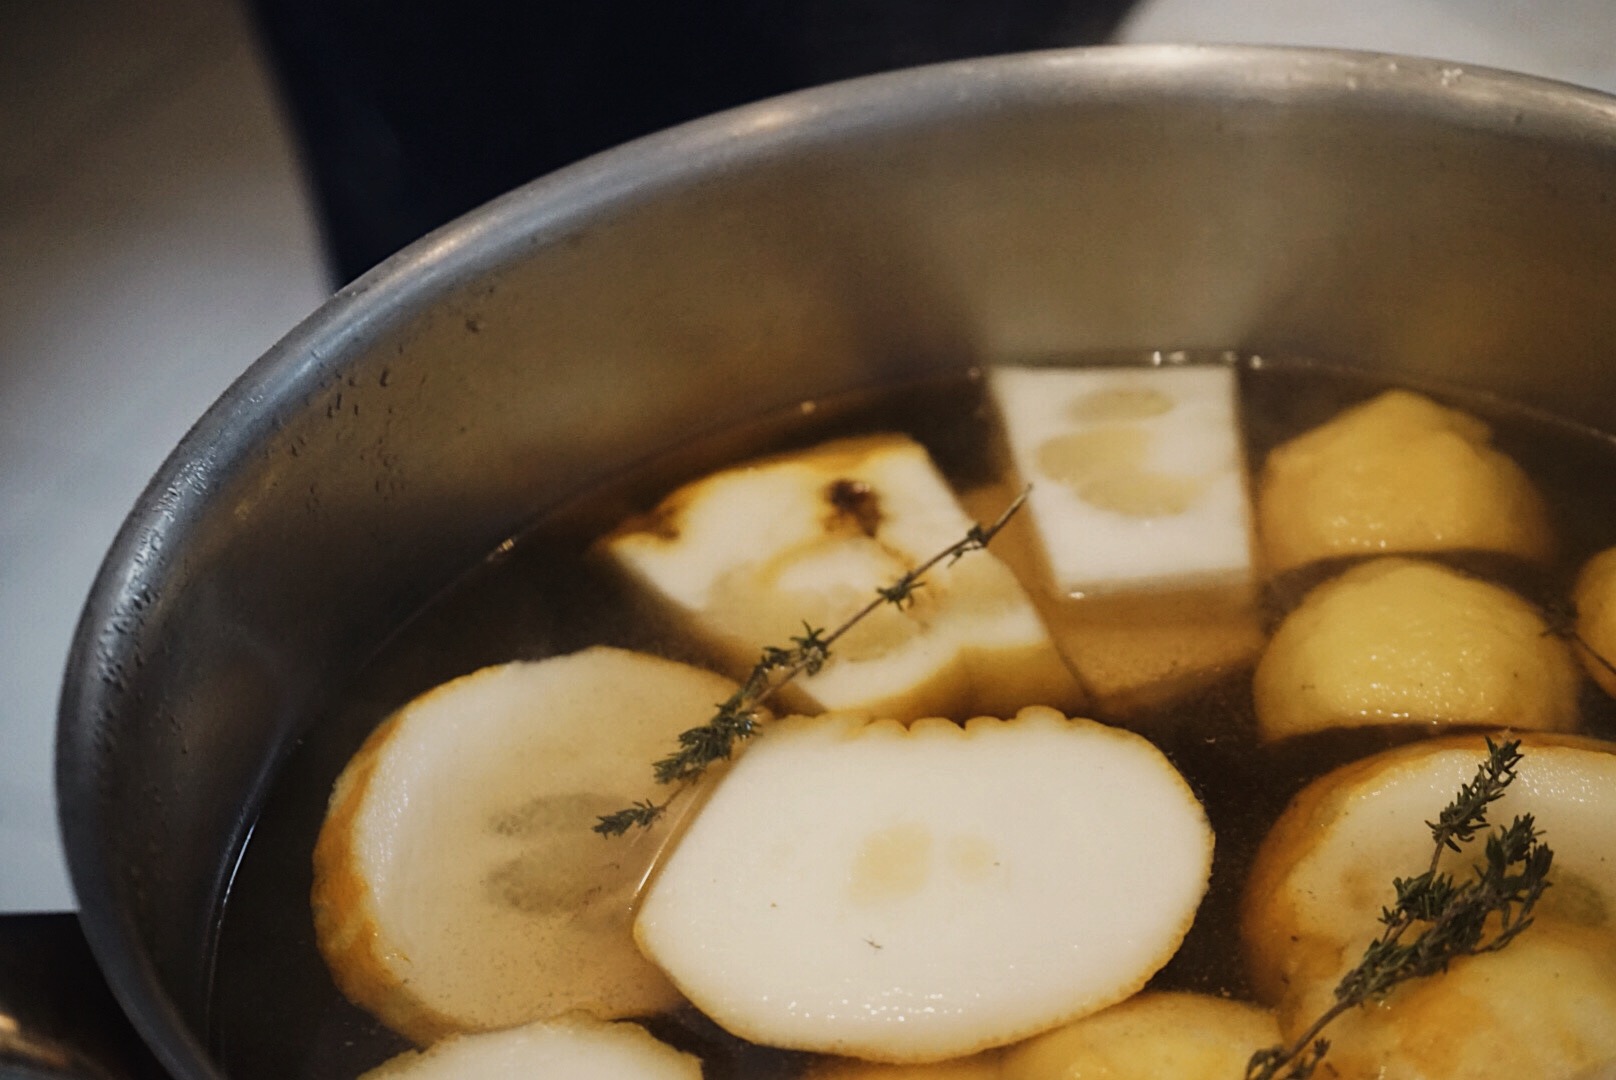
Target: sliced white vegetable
[576, 1048]
[1138, 476]
[457, 883]
[750, 554]
[911, 895]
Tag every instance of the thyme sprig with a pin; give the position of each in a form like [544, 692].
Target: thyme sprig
[1457, 918]
[736, 718]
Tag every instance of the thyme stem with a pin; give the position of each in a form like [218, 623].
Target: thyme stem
[1562, 621]
[1582, 643]
[736, 718]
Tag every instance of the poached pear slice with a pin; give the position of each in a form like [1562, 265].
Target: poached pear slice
[570, 1047]
[1406, 641]
[914, 894]
[1539, 1008]
[1595, 600]
[976, 1067]
[457, 883]
[1325, 870]
[1398, 474]
[746, 557]
[1150, 1036]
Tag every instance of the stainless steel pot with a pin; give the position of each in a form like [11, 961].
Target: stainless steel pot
[1403, 216]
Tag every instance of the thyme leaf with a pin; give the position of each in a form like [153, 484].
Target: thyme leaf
[736, 718]
[1447, 918]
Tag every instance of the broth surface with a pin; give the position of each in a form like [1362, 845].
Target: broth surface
[276, 1012]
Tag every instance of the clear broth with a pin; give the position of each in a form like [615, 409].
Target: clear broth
[276, 1012]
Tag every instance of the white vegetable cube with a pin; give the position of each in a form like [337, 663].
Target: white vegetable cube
[1138, 546]
[1137, 473]
[751, 554]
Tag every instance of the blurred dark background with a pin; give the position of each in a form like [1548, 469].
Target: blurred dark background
[412, 112]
